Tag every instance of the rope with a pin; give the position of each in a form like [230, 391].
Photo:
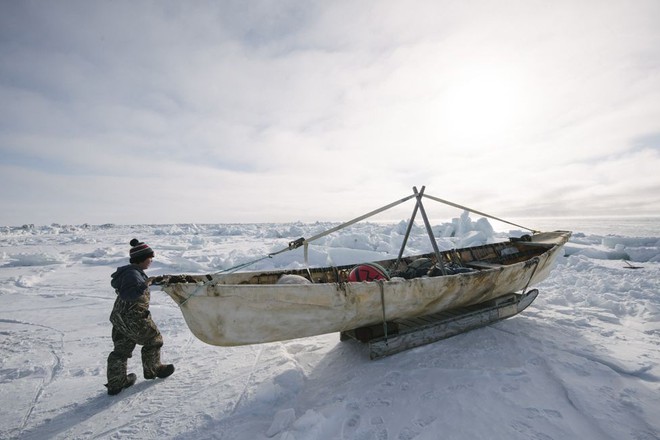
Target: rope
[455, 205]
[191, 295]
[241, 266]
[362, 217]
[292, 245]
[534, 261]
[305, 241]
[382, 301]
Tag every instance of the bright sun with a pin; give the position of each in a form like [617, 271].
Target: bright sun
[481, 107]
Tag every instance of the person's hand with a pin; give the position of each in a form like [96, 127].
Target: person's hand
[155, 280]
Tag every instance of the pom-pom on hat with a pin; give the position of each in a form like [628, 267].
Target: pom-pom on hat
[140, 251]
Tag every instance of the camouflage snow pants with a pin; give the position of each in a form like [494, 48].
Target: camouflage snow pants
[132, 325]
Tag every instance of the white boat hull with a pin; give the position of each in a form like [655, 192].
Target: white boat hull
[221, 311]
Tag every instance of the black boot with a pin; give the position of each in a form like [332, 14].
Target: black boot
[161, 372]
[130, 380]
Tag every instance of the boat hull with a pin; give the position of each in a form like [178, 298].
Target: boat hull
[222, 311]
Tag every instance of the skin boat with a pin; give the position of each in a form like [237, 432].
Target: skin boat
[254, 307]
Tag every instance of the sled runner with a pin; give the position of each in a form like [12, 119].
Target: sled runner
[404, 334]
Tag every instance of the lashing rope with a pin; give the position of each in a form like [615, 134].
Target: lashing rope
[305, 242]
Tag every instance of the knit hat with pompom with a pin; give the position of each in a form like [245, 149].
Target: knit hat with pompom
[140, 251]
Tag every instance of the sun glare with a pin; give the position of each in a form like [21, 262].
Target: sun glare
[481, 107]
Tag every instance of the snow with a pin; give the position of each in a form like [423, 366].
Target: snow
[583, 361]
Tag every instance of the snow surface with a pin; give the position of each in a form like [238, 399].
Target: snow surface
[582, 362]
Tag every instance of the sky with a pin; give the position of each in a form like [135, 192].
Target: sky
[276, 111]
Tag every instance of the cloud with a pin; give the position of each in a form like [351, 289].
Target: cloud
[322, 110]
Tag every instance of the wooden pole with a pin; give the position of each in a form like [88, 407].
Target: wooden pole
[429, 230]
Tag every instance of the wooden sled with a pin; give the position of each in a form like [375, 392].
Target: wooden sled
[403, 334]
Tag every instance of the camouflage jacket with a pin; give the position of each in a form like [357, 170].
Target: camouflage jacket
[130, 282]
[132, 303]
